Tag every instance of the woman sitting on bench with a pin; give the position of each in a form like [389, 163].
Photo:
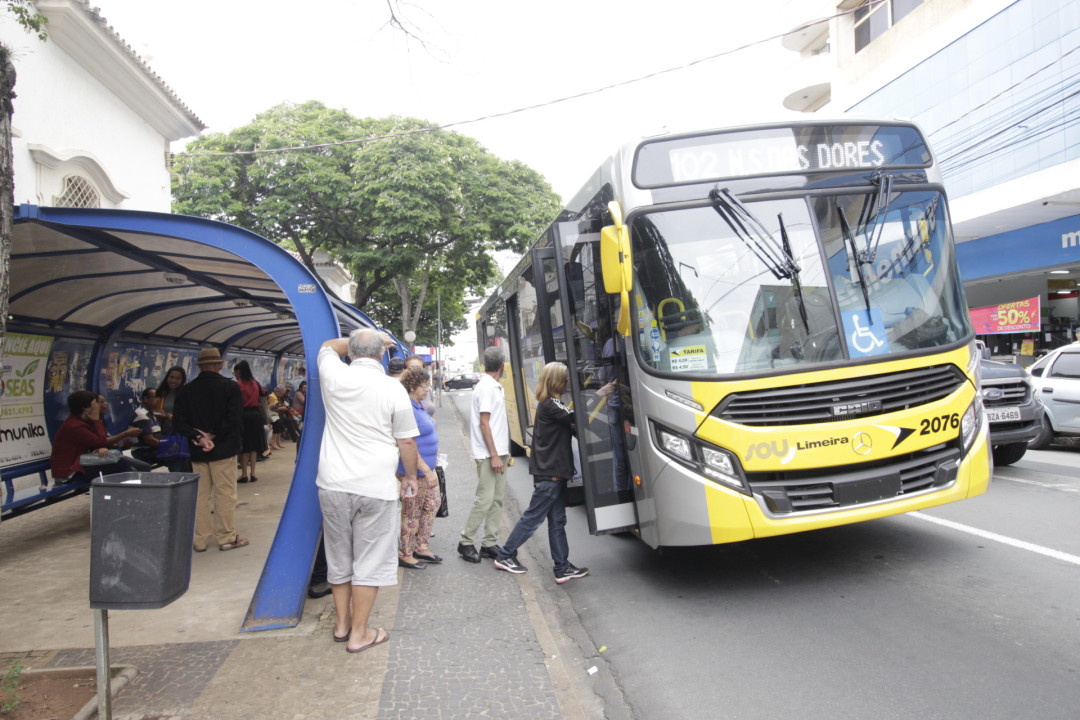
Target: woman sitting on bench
[84, 432]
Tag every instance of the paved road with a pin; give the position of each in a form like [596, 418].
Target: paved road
[967, 611]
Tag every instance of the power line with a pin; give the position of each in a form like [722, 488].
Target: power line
[537, 106]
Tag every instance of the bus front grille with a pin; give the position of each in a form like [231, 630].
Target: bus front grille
[841, 399]
[786, 493]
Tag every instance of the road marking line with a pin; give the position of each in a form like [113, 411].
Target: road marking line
[1063, 487]
[1031, 547]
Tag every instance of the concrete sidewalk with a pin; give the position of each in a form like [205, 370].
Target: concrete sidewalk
[467, 640]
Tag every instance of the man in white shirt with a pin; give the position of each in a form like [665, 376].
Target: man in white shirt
[369, 424]
[489, 437]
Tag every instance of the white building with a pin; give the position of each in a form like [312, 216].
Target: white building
[992, 83]
[92, 122]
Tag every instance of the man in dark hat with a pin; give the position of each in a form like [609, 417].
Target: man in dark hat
[208, 412]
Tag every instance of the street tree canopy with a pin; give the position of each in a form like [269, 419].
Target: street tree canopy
[415, 213]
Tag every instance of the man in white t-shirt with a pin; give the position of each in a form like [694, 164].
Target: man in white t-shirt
[369, 425]
[489, 439]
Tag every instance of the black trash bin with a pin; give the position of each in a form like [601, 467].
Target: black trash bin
[142, 526]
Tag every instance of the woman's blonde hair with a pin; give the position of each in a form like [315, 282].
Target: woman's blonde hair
[553, 381]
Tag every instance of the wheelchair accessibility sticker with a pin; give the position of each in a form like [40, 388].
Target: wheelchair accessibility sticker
[865, 332]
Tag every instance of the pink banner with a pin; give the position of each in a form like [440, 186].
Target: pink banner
[1014, 317]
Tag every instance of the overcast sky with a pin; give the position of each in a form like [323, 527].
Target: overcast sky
[229, 60]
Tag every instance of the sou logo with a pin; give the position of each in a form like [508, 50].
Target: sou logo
[781, 449]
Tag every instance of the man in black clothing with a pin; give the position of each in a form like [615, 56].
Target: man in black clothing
[208, 412]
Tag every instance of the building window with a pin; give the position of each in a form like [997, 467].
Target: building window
[78, 193]
[874, 17]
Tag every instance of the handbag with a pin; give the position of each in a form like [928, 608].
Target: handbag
[92, 459]
[443, 510]
[173, 447]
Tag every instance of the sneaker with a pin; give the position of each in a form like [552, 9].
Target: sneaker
[510, 564]
[569, 573]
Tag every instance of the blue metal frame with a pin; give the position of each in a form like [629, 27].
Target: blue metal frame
[278, 600]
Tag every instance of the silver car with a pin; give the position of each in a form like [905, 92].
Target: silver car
[1057, 382]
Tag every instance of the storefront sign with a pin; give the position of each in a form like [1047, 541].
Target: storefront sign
[1014, 317]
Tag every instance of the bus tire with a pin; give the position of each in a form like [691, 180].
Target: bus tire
[1009, 454]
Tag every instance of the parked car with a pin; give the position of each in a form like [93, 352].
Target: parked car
[462, 382]
[1057, 382]
[1013, 409]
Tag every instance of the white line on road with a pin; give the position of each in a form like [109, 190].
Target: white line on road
[1031, 547]
[1063, 487]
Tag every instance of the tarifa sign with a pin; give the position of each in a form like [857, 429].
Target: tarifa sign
[23, 436]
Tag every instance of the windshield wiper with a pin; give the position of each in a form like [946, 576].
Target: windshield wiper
[857, 261]
[796, 284]
[776, 256]
[753, 234]
[872, 217]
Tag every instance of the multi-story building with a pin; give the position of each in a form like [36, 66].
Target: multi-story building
[994, 85]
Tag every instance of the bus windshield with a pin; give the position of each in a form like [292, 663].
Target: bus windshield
[726, 289]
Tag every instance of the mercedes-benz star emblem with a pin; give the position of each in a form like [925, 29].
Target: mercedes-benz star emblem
[862, 444]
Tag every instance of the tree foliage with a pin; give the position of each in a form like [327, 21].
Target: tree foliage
[415, 213]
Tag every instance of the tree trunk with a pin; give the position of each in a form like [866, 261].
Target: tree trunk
[7, 182]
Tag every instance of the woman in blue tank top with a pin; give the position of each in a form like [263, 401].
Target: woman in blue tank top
[418, 512]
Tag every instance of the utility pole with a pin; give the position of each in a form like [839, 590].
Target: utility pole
[438, 344]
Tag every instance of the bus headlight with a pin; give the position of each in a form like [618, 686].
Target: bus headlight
[970, 424]
[720, 465]
[676, 445]
[715, 463]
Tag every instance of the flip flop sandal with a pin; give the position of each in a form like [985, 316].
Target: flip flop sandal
[237, 543]
[373, 643]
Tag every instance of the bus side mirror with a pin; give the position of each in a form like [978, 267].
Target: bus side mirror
[616, 268]
[611, 260]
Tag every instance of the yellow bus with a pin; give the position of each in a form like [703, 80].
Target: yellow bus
[765, 329]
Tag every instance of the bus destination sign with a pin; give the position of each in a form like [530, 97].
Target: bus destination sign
[778, 151]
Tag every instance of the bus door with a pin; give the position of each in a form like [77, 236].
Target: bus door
[594, 355]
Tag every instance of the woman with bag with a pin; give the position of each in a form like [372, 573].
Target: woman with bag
[418, 512]
[253, 436]
[166, 396]
[551, 464]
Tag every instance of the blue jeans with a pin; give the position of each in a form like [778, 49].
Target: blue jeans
[548, 502]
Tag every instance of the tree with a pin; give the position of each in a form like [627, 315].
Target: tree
[31, 22]
[415, 213]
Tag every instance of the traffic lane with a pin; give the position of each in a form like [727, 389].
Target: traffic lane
[1035, 501]
[1058, 461]
[894, 618]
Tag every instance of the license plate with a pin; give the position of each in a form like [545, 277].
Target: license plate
[1002, 414]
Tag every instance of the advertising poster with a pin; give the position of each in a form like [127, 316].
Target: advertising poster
[23, 436]
[1013, 317]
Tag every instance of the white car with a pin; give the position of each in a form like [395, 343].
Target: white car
[1057, 383]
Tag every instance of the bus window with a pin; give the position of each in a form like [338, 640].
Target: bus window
[731, 311]
[898, 266]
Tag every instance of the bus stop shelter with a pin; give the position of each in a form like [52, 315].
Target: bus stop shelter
[112, 277]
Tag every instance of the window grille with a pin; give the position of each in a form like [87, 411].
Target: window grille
[78, 192]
